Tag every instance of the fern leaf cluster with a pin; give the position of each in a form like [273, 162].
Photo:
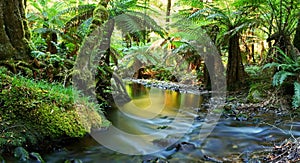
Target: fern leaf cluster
[288, 68]
[296, 98]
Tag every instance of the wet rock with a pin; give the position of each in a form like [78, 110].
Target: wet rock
[154, 160]
[208, 158]
[35, 157]
[169, 142]
[242, 117]
[198, 118]
[168, 153]
[73, 161]
[185, 147]
[21, 154]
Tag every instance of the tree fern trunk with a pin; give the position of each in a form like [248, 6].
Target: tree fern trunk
[297, 36]
[89, 56]
[235, 67]
[13, 30]
[168, 13]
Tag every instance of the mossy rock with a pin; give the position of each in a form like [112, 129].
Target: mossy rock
[31, 111]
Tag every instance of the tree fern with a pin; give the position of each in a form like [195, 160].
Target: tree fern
[136, 22]
[81, 14]
[76, 9]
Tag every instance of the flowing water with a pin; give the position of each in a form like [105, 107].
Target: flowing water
[172, 122]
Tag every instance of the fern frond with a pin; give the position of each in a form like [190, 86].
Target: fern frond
[36, 6]
[149, 23]
[79, 18]
[271, 65]
[296, 97]
[286, 58]
[75, 10]
[132, 22]
[280, 76]
[199, 13]
[46, 30]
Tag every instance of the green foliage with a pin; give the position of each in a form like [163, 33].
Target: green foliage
[137, 56]
[68, 21]
[161, 73]
[253, 70]
[32, 111]
[287, 68]
[280, 76]
[191, 3]
[45, 23]
[230, 20]
[258, 91]
[134, 24]
[137, 22]
[279, 15]
[296, 98]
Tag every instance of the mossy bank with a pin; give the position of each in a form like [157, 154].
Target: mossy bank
[34, 114]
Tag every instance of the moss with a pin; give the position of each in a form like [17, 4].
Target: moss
[31, 111]
[100, 15]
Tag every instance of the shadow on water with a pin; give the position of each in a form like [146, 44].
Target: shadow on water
[153, 110]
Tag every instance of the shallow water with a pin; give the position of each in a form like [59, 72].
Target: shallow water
[166, 124]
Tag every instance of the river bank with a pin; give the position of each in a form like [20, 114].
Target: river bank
[40, 116]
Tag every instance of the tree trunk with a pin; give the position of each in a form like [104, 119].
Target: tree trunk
[235, 67]
[168, 13]
[93, 61]
[297, 36]
[206, 77]
[14, 34]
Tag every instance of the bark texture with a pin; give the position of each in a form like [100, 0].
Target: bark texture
[235, 67]
[297, 36]
[168, 13]
[14, 34]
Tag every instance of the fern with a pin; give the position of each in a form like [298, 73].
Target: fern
[75, 10]
[136, 22]
[290, 67]
[280, 76]
[296, 98]
[83, 13]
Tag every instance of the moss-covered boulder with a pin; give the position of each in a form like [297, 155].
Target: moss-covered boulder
[34, 111]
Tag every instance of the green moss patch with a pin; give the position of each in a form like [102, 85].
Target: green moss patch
[32, 111]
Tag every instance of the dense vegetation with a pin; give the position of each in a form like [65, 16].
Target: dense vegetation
[258, 41]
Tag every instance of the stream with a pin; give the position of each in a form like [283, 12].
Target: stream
[164, 125]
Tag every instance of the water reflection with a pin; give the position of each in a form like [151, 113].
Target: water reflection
[154, 110]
